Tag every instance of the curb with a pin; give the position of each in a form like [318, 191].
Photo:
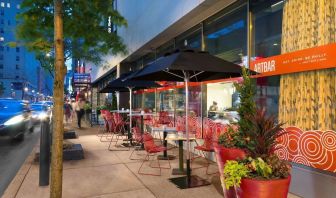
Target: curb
[14, 187]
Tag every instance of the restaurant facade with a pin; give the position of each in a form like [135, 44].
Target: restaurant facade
[290, 43]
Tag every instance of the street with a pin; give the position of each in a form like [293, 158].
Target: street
[13, 154]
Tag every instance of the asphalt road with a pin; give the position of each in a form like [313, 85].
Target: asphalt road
[13, 154]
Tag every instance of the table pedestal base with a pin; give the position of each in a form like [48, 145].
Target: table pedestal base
[184, 183]
[168, 157]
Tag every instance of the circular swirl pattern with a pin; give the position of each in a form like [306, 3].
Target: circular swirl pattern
[311, 147]
[301, 160]
[281, 152]
[328, 140]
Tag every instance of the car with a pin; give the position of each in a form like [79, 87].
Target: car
[40, 111]
[15, 118]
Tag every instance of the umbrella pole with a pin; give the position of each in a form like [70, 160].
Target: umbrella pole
[186, 80]
[188, 181]
[130, 115]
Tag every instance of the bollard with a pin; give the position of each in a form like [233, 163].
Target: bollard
[44, 153]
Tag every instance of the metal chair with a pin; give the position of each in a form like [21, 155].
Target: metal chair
[137, 140]
[152, 149]
[206, 147]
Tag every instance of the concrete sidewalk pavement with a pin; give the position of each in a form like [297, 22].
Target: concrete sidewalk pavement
[108, 174]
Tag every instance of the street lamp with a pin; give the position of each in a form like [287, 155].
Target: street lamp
[26, 89]
[23, 92]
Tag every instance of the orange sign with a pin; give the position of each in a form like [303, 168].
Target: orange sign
[322, 57]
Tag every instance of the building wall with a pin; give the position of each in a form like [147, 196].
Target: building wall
[146, 19]
[17, 65]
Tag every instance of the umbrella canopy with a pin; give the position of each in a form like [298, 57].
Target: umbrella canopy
[123, 83]
[200, 66]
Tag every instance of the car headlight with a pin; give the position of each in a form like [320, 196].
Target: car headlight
[42, 116]
[14, 120]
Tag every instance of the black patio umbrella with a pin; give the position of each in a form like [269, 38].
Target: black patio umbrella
[124, 84]
[188, 65]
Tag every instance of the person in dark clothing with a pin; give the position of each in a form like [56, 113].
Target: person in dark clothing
[80, 111]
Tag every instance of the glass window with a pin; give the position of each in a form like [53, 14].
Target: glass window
[1, 66]
[267, 94]
[8, 5]
[221, 102]
[17, 49]
[190, 39]
[18, 6]
[1, 30]
[267, 23]
[165, 48]
[3, 4]
[226, 34]
[1, 57]
[165, 101]
[2, 48]
[17, 66]
[1, 75]
[17, 58]
[2, 12]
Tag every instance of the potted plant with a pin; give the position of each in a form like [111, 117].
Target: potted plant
[262, 174]
[232, 142]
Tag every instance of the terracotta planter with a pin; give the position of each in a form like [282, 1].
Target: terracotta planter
[251, 188]
[222, 155]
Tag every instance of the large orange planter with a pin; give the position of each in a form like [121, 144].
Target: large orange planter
[222, 155]
[252, 188]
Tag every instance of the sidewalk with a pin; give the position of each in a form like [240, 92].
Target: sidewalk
[108, 174]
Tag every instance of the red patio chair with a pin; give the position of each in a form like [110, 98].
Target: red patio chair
[206, 147]
[152, 149]
[119, 129]
[137, 139]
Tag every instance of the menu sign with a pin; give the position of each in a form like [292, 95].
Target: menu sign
[322, 57]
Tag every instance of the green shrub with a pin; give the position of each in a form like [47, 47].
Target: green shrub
[234, 171]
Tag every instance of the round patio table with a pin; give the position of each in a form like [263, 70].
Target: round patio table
[165, 131]
[180, 139]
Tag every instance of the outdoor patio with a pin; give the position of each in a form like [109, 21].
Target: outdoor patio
[106, 173]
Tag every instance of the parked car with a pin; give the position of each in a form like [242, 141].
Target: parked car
[40, 111]
[15, 118]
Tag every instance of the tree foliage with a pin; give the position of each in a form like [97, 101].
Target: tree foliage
[86, 34]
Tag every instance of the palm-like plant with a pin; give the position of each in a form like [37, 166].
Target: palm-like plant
[264, 133]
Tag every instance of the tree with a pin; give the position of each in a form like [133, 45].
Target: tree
[61, 29]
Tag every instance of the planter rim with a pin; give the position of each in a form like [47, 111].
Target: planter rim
[267, 180]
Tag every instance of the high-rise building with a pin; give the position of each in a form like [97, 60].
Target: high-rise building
[21, 75]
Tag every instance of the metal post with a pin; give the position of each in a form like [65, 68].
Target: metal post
[130, 115]
[186, 80]
[44, 153]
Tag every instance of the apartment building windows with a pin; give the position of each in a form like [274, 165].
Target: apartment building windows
[1, 75]
[2, 48]
[1, 66]
[17, 66]
[2, 12]
[17, 58]
[2, 30]
[1, 56]
[17, 49]
[2, 4]
[18, 6]
[8, 5]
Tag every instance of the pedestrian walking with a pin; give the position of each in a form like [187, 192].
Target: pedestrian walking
[67, 111]
[80, 111]
[73, 112]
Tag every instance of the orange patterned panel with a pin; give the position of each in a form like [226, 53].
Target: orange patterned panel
[311, 148]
